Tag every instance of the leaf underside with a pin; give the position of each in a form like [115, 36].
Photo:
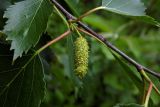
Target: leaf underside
[125, 7]
[133, 8]
[27, 20]
[20, 86]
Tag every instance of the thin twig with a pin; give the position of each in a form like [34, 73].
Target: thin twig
[53, 41]
[102, 39]
[148, 95]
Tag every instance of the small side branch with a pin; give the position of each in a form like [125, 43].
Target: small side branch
[148, 95]
[53, 41]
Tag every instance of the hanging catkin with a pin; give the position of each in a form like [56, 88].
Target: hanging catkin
[81, 56]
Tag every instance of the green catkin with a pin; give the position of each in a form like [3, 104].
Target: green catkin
[81, 56]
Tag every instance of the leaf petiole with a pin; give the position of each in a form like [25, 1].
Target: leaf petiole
[86, 14]
[60, 14]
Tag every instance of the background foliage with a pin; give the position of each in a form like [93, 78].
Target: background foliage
[106, 83]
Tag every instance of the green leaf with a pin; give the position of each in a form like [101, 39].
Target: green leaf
[134, 8]
[98, 22]
[21, 85]
[128, 105]
[125, 7]
[70, 65]
[70, 52]
[27, 20]
[73, 5]
[130, 73]
[148, 19]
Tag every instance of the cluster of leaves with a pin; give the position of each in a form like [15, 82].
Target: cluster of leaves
[22, 80]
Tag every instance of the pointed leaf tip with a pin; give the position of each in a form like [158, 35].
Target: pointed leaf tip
[27, 20]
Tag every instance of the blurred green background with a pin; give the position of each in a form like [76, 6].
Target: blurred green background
[106, 83]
